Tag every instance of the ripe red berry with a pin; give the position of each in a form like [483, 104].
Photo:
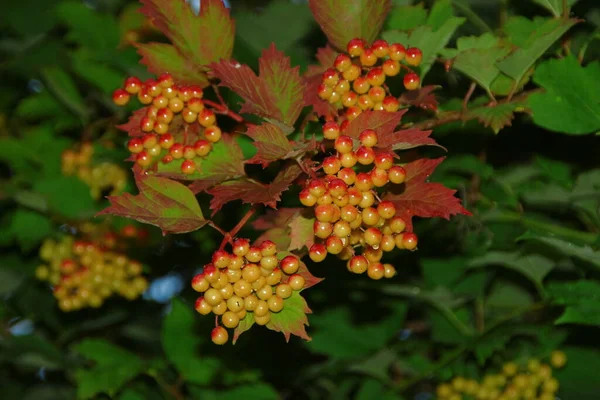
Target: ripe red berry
[342, 87]
[317, 252]
[391, 104]
[363, 182]
[376, 76]
[165, 80]
[268, 248]
[361, 85]
[188, 115]
[143, 96]
[397, 224]
[396, 51]
[331, 165]
[337, 188]
[166, 141]
[376, 271]
[368, 58]
[349, 99]
[120, 97]
[368, 138]
[344, 144]
[307, 199]
[365, 155]
[330, 77]
[351, 73]
[325, 92]
[154, 89]
[202, 306]
[396, 174]
[317, 187]
[188, 167]
[132, 85]
[386, 209]
[219, 335]
[160, 102]
[176, 105]
[324, 212]
[334, 245]
[414, 56]
[322, 229]
[348, 175]
[241, 247]
[135, 145]
[411, 81]
[358, 264]
[176, 151]
[377, 94]
[365, 102]
[200, 283]
[202, 147]
[290, 264]
[355, 47]
[348, 160]
[189, 152]
[206, 118]
[212, 134]
[379, 177]
[384, 160]
[143, 159]
[380, 48]
[221, 259]
[391, 67]
[331, 130]
[342, 62]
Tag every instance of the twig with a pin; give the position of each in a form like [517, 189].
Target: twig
[468, 97]
[223, 109]
[228, 236]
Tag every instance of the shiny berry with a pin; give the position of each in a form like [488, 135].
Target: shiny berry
[396, 174]
[411, 81]
[355, 47]
[396, 51]
[120, 97]
[219, 335]
[413, 56]
[342, 62]
[368, 58]
[317, 252]
[331, 130]
[188, 167]
[132, 85]
[380, 48]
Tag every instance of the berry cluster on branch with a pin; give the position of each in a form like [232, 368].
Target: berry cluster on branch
[169, 108]
[357, 80]
[84, 273]
[100, 177]
[251, 279]
[531, 381]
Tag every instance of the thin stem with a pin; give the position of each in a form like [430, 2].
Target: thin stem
[228, 236]
[472, 15]
[468, 96]
[223, 109]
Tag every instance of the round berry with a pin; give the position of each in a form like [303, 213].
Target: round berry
[377, 94]
[324, 92]
[221, 259]
[358, 264]
[368, 138]
[202, 306]
[348, 175]
[307, 199]
[384, 160]
[290, 264]
[241, 247]
[414, 56]
[368, 58]
[200, 283]
[370, 216]
[213, 134]
[254, 254]
[396, 174]
[322, 229]
[219, 335]
[135, 145]
[176, 105]
[274, 277]
[334, 244]
[317, 252]
[379, 177]
[165, 80]
[348, 160]
[268, 248]
[242, 288]
[324, 212]
[342, 62]
[230, 319]
[196, 105]
[373, 236]
[355, 47]
[376, 271]
[361, 85]
[120, 97]
[296, 282]
[558, 359]
[344, 144]
[166, 141]
[409, 240]
[202, 147]
[376, 76]
[391, 67]
[331, 165]
[389, 271]
[269, 262]
[132, 85]
[351, 73]
[189, 152]
[380, 48]
[349, 99]
[143, 159]
[275, 304]
[206, 118]
[396, 51]
[189, 116]
[364, 102]
[411, 81]
[341, 88]
[330, 77]
[331, 130]
[283, 290]
[365, 155]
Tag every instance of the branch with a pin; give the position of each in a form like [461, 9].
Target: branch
[223, 109]
[228, 236]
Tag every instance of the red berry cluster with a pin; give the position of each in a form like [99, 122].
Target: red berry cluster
[85, 273]
[250, 279]
[349, 213]
[357, 82]
[165, 101]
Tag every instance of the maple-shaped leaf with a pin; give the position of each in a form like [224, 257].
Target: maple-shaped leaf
[270, 142]
[224, 162]
[132, 126]
[343, 20]
[162, 202]
[419, 198]
[244, 325]
[162, 57]
[301, 232]
[309, 279]
[313, 78]
[277, 93]
[382, 122]
[496, 117]
[405, 139]
[279, 218]
[422, 98]
[201, 39]
[252, 192]
[292, 319]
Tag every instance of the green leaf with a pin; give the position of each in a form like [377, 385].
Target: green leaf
[443, 271]
[343, 20]
[406, 18]
[581, 300]
[32, 352]
[429, 41]
[102, 76]
[67, 195]
[292, 319]
[245, 324]
[584, 253]
[113, 367]
[496, 117]
[90, 28]
[180, 343]
[252, 391]
[492, 342]
[517, 64]
[29, 17]
[65, 90]
[534, 266]
[570, 103]
[440, 12]
[578, 379]
[161, 57]
[556, 7]
[29, 228]
[162, 202]
[202, 39]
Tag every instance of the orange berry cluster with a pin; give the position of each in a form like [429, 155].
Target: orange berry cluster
[356, 81]
[103, 178]
[168, 104]
[250, 279]
[348, 211]
[533, 381]
[85, 273]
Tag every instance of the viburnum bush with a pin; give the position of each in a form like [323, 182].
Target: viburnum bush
[407, 191]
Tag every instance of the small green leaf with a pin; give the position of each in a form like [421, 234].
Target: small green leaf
[65, 90]
[578, 379]
[161, 57]
[180, 343]
[94, 30]
[496, 117]
[98, 74]
[581, 300]
[556, 7]
[251, 391]
[29, 228]
[570, 103]
[584, 253]
[292, 319]
[406, 18]
[113, 368]
[67, 195]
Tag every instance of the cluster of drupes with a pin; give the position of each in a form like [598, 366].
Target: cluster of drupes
[176, 123]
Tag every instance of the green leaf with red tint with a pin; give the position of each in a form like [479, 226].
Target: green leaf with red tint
[382, 122]
[161, 57]
[309, 279]
[201, 39]
[292, 319]
[284, 83]
[252, 192]
[301, 232]
[343, 20]
[224, 162]
[406, 139]
[244, 325]
[496, 117]
[313, 78]
[162, 202]
[419, 198]
[276, 218]
[132, 126]
[422, 98]
[270, 142]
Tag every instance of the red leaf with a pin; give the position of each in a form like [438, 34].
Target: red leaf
[284, 83]
[342, 20]
[224, 162]
[424, 199]
[160, 57]
[382, 122]
[406, 139]
[301, 232]
[241, 79]
[292, 319]
[423, 98]
[270, 141]
[279, 236]
[326, 56]
[132, 126]
[162, 202]
[201, 39]
[276, 218]
[252, 192]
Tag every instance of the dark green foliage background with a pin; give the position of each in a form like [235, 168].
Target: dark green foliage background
[517, 279]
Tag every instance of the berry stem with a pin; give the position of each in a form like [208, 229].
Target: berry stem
[228, 236]
[223, 109]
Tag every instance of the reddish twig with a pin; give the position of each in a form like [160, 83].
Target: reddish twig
[223, 109]
[228, 236]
